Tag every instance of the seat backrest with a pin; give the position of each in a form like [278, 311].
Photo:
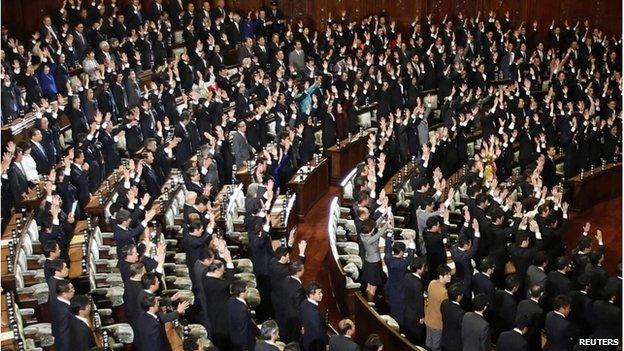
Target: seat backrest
[95, 250]
[19, 279]
[33, 230]
[169, 218]
[27, 245]
[21, 259]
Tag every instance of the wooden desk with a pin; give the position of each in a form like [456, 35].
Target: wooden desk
[399, 178]
[76, 254]
[344, 158]
[107, 189]
[593, 188]
[310, 184]
[243, 175]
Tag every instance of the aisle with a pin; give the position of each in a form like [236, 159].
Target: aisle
[606, 216]
[313, 229]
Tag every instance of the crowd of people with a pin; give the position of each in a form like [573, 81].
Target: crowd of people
[544, 96]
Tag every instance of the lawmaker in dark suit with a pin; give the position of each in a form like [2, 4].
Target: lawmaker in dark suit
[241, 327]
[514, 340]
[291, 297]
[452, 317]
[505, 306]
[123, 234]
[132, 287]
[344, 340]
[80, 325]
[216, 284]
[61, 315]
[414, 312]
[314, 335]
[560, 334]
[531, 310]
[475, 329]
[150, 332]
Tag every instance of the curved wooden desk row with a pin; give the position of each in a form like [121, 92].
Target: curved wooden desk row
[350, 301]
[600, 185]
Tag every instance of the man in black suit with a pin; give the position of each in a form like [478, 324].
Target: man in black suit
[123, 234]
[607, 317]
[61, 315]
[452, 317]
[80, 325]
[269, 333]
[464, 252]
[344, 339]
[241, 326]
[150, 331]
[151, 284]
[216, 284]
[79, 176]
[533, 312]
[557, 282]
[195, 241]
[18, 183]
[513, 340]
[291, 298]
[132, 288]
[475, 330]
[43, 160]
[560, 333]
[314, 336]
[52, 252]
[505, 306]
[482, 281]
[415, 302]
[581, 305]
[59, 271]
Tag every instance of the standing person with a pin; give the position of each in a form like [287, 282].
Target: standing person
[397, 264]
[372, 269]
[452, 317]
[414, 313]
[314, 335]
[513, 340]
[242, 328]
[475, 331]
[560, 333]
[436, 293]
[269, 333]
[344, 340]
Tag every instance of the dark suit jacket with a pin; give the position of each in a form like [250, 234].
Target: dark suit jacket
[264, 346]
[482, 284]
[534, 313]
[342, 343]
[512, 341]
[475, 333]
[504, 307]
[150, 334]
[314, 335]
[452, 317]
[125, 236]
[132, 289]
[81, 336]
[61, 317]
[242, 328]
[414, 299]
[607, 320]
[217, 293]
[560, 335]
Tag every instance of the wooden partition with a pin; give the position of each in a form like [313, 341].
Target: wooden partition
[369, 322]
[595, 187]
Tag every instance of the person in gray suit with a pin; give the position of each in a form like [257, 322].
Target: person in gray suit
[240, 147]
[344, 340]
[133, 90]
[536, 273]
[475, 332]
[296, 58]
[269, 333]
